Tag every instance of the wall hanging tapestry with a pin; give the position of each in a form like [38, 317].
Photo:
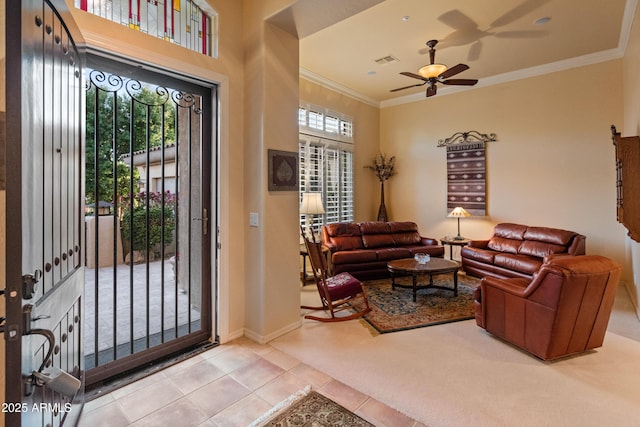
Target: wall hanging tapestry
[466, 171]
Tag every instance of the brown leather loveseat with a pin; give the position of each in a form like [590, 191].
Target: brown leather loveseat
[364, 249]
[517, 250]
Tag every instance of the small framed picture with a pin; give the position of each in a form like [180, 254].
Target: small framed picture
[283, 170]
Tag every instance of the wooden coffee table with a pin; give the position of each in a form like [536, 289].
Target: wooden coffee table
[434, 266]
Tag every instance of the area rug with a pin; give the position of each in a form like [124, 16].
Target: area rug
[394, 310]
[312, 409]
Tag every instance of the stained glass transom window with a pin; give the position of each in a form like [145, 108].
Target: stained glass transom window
[188, 23]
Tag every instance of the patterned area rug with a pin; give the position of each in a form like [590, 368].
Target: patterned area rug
[316, 410]
[394, 310]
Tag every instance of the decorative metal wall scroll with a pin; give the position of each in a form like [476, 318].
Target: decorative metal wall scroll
[468, 137]
[466, 171]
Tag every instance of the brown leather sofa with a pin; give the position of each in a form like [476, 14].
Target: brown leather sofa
[364, 249]
[517, 250]
[564, 310]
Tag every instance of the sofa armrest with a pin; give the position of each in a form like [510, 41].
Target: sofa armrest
[514, 286]
[578, 246]
[481, 244]
[428, 241]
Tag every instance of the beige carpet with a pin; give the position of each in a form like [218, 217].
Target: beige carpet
[458, 375]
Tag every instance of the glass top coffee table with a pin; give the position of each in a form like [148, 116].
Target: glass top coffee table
[410, 266]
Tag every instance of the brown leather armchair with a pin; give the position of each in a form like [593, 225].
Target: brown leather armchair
[563, 310]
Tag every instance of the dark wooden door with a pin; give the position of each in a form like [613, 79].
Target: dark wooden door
[44, 271]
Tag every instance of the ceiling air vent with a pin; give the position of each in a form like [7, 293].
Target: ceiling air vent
[386, 60]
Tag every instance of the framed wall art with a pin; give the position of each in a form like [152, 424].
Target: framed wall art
[283, 170]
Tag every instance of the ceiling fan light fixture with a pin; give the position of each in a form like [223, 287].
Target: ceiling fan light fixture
[432, 70]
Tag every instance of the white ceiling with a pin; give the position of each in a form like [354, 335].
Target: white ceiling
[498, 39]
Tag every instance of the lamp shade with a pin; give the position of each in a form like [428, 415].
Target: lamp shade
[311, 204]
[459, 212]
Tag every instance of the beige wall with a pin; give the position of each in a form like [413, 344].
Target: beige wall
[631, 127]
[272, 299]
[366, 134]
[552, 165]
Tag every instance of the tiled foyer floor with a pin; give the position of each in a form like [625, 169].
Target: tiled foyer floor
[230, 385]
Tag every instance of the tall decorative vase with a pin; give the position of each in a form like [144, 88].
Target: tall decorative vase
[382, 210]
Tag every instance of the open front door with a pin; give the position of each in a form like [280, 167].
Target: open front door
[44, 245]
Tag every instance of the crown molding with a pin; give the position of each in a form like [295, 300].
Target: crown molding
[330, 84]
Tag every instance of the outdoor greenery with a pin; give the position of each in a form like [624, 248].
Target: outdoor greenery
[159, 210]
[119, 124]
[113, 141]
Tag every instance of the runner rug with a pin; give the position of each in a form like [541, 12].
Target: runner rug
[394, 310]
[309, 408]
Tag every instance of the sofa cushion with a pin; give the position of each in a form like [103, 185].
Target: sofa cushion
[540, 249]
[343, 229]
[406, 238]
[355, 256]
[403, 226]
[387, 254]
[549, 235]
[510, 231]
[483, 255]
[502, 244]
[375, 227]
[347, 243]
[377, 240]
[522, 263]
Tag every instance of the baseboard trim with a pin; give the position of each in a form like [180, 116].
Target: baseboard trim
[264, 339]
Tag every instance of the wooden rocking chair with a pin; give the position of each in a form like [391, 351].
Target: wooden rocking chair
[335, 291]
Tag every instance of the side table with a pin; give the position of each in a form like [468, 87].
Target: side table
[453, 242]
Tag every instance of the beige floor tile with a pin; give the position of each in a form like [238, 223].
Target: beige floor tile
[109, 415]
[241, 413]
[195, 376]
[182, 412]
[149, 399]
[281, 359]
[381, 415]
[233, 358]
[281, 388]
[138, 385]
[98, 402]
[257, 374]
[341, 393]
[173, 369]
[218, 395]
[310, 375]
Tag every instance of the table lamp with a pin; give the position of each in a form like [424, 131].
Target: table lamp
[459, 212]
[311, 205]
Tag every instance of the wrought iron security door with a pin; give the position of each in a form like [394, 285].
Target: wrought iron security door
[148, 168]
[44, 256]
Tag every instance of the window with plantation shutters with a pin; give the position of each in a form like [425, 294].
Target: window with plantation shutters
[326, 167]
[326, 162]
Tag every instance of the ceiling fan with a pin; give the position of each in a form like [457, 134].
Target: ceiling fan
[437, 73]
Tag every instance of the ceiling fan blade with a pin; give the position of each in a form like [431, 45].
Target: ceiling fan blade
[415, 76]
[453, 71]
[407, 87]
[460, 82]
[431, 90]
